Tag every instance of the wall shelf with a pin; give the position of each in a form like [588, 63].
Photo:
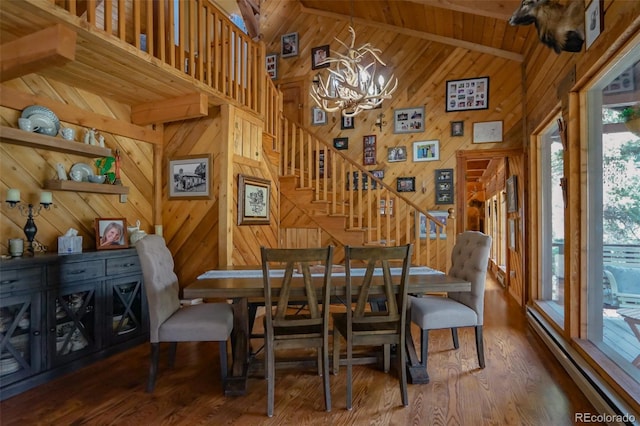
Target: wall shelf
[69, 185]
[52, 143]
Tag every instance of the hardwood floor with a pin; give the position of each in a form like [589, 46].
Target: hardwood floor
[522, 384]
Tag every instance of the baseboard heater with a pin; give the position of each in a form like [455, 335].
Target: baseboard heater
[598, 392]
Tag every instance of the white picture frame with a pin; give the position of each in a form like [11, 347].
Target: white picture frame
[487, 131]
[426, 150]
[271, 63]
[318, 116]
[593, 22]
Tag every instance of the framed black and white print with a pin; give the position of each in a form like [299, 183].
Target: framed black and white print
[318, 116]
[593, 22]
[190, 177]
[289, 45]
[253, 200]
[347, 123]
[341, 143]
[272, 66]
[318, 55]
[463, 95]
[408, 120]
[487, 131]
[457, 128]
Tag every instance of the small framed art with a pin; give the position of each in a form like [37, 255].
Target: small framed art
[426, 151]
[253, 200]
[457, 128]
[398, 153]
[379, 174]
[369, 150]
[190, 177]
[594, 22]
[289, 45]
[441, 216]
[318, 55]
[341, 143]
[111, 233]
[444, 186]
[272, 66]
[472, 93]
[386, 209]
[347, 123]
[318, 116]
[487, 131]
[408, 120]
[406, 184]
[512, 194]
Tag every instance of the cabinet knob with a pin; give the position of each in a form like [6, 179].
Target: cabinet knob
[7, 281]
[36, 333]
[52, 329]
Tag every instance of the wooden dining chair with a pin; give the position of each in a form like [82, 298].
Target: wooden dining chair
[287, 328]
[362, 327]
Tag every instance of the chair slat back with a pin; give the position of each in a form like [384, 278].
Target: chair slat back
[296, 284]
[377, 277]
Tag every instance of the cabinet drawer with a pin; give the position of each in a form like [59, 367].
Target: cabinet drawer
[123, 265]
[21, 279]
[81, 271]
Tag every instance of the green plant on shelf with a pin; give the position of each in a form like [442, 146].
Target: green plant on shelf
[104, 165]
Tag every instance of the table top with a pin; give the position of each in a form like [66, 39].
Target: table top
[252, 286]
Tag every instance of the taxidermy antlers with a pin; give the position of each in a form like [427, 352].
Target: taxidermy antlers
[561, 27]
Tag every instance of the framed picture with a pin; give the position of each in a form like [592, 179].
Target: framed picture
[323, 159]
[272, 65]
[512, 194]
[253, 200]
[318, 116]
[289, 45]
[593, 22]
[341, 143]
[379, 174]
[408, 120]
[472, 93]
[398, 153]
[512, 233]
[190, 177]
[426, 150]
[487, 131]
[347, 123]
[457, 128]
[318, 55]
[406, 184]
[386, 209]
[369, 150]
[444, 186]
[441, 216]
[111, 233]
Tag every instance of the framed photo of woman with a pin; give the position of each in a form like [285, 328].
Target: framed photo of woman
[111, 233]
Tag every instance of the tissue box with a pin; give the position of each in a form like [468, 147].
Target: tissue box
[68, 245]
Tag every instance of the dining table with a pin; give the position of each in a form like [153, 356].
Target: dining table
[244, 287]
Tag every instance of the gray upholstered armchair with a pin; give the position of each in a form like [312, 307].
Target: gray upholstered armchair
[169, 322]
[469, 261]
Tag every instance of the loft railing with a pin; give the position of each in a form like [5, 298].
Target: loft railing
[342, 187]
[193, 36]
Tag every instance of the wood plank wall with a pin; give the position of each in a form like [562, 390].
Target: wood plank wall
[27, 168]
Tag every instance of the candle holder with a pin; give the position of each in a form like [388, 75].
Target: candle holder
[30, 211]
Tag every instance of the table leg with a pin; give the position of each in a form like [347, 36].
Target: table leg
[416, 372]
[236, 382]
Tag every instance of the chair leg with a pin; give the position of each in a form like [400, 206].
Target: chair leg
[319, 361]
[172, 353]
[402, 373]
[349, 374]
[454, 334]
[325, 373]
[269, 372]
[480, 345]
[224, 366]
[424, 346]
[386, 358]
[153, 366]
[336, 351]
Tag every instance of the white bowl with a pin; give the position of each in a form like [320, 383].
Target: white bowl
[97, 178]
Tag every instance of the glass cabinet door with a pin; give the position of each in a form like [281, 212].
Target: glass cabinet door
[74, 326]
[127, 308]
[20, 339]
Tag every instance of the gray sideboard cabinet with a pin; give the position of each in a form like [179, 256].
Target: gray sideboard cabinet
[60, 313]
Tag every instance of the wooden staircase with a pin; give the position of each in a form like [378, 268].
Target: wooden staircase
[322, 189]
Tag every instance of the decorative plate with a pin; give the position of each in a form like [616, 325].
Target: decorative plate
[84, 169]
[43, 124]
[29, 111]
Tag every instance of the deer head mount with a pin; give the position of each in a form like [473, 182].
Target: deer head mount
[560, 27]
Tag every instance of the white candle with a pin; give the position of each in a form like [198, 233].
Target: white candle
[13, 195]
[46, 197]
[158, 229]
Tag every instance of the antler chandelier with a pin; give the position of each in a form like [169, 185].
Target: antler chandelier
[352, 84]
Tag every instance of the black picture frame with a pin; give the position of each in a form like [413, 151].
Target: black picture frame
[347, 123]
[379, 174]
[289, 45]
[318, 55]
[457, 128]
[406, 184]
[467, 94]
[444, 186]
[369, 150]
[271, 63]
[341, 143]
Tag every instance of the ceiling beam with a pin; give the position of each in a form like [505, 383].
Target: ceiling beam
[51, 47]
[498, 9]
[194, 105]
[418, 34]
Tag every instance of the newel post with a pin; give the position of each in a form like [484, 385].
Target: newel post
[451, 235]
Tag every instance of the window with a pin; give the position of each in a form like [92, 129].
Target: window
[613, 215]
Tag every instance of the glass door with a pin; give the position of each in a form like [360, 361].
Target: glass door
[127, 308]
